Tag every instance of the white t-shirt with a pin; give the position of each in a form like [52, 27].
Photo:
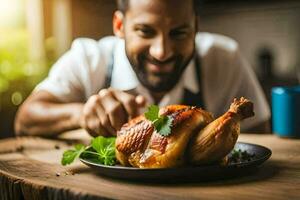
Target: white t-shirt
[81, 72]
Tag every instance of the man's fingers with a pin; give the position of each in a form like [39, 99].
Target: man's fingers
[113, 108]
[92, 125]
[140, 100]
[105, 122]
[92, 117]
[130, 102]
[117, 107]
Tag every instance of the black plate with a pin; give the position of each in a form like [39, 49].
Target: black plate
[199, 173]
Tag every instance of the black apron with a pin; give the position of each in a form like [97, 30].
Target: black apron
[189, 98]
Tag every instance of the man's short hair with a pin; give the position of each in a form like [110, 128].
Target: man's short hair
[122, 5]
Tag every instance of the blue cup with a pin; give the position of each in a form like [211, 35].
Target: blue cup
[286, 111]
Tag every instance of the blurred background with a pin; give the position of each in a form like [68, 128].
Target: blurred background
[34, 33]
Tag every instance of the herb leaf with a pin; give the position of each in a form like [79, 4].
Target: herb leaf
[102, 151]
[152, 113]
[238, 156]
[161, 123]
[165, 128]
[70, 155]
[105, 147]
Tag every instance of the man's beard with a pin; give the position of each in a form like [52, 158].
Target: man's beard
[159, 82]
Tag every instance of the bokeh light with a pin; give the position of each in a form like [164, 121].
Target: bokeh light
[17, 98]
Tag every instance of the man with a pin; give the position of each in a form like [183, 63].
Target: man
[157, 58]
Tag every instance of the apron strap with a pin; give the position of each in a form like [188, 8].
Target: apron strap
[189, 97]
[110, 68]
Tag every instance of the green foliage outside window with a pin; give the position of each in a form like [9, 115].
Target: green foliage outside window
[17, 71]
[18, 74]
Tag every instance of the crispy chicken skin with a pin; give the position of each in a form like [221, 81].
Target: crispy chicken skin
[139, 145]
[195, 137]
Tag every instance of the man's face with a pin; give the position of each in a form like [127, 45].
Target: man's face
[159, 40]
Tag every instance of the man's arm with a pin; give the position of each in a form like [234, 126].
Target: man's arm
[103, 114]
[43, 114]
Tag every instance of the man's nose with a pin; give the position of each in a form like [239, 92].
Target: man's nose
[161, 49]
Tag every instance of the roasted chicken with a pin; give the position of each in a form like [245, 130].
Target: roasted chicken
[196, 138]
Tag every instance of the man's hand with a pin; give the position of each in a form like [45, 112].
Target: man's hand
[105, 112]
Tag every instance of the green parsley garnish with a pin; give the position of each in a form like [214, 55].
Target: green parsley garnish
[161, 123]
[238, 156]
[70, 155]
[101, 150]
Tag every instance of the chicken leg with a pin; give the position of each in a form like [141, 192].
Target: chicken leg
[218, 138]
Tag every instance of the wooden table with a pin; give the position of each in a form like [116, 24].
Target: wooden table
[30, 169]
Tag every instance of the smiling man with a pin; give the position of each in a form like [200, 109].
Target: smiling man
[155, 57]
[158, 46]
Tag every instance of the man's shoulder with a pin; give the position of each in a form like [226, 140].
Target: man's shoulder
[90, 46]
[205, 42]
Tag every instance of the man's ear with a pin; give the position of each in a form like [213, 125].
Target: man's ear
[118, 26]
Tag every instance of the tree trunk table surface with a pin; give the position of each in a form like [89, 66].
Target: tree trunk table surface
[30, 169]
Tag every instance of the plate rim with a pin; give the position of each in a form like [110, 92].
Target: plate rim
[240, 165]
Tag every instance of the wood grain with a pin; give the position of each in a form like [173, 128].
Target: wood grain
[30, 169]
